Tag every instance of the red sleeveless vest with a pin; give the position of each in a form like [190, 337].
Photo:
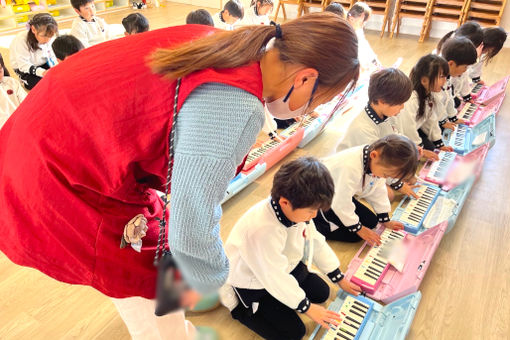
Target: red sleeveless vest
[82, 155]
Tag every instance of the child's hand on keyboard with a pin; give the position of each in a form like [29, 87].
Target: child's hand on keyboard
[408, 190]
[460, 121]
[322, 316]
[430, 155]
[394, 225]
[370, 236]
[446, 148]
[449, 126]
[349, 287]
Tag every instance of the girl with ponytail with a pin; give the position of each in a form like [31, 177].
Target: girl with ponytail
[30, 51]
[183, 109]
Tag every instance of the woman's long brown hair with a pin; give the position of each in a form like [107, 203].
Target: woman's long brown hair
[322, 41]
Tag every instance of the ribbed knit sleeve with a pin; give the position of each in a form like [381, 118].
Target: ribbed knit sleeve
[215, 129]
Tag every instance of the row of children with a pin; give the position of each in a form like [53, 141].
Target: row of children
[35, 51]
[273, 246]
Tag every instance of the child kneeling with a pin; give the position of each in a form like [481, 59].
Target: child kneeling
[269, 281]
[360, 172]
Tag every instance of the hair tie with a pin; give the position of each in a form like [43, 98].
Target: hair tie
[278, 34]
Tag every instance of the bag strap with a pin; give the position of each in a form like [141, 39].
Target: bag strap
[162, 238]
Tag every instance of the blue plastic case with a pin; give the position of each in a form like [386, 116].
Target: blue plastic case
[459, 194]
[413, 229]
[488, 126]
[390, 322]
[242, 180]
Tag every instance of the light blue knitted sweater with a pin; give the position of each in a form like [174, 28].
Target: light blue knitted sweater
[215, 129]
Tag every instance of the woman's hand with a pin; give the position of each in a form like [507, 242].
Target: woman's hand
[370, 236]
[190, 298]
[322, 316]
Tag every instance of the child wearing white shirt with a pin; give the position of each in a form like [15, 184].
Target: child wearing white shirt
[232, 12]
[11, 93]
[31, 54]
[270, 276]
[258, 13]
[357, 16]
[88, 28]
[493, 40]
[360, 173]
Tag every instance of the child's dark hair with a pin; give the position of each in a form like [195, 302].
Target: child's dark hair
[44, 24]
[336, 8]
[135, 23]
[305, 182]
[78, 3]
[471, 30]
[66, 45]
[389, 85]
[493, 40]
[400, 152]
[200, 17]
[262, 3]
[430, 66]
[360, 9]
[2, 64]
[460, 50]
[234, 8]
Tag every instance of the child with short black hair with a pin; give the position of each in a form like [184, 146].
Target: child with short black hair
[11, 93]
[66, 45]
[360, 173]
[232, 12]
[88, 28]
[459, 52]
[388, 90]
[462, 83]
[270, 278]
[200, 17]
[357, 16]
[135, 23]
[30, 51]
[493, 40]
[336, 8]
[419, 117]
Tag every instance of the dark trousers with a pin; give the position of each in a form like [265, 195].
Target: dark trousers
[427, 143]
[273, 319]
[30, 80]
[366, 217]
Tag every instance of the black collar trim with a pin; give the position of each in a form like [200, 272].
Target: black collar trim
[82, 18]
[280, 215]
[221, 16]
[373, 115]
[366, 160]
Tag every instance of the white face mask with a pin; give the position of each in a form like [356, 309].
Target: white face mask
[280, 107]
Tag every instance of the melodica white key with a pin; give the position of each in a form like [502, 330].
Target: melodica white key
[375, 264]
[468, 110]
[411, 212]
[353, 315]
[439, 169]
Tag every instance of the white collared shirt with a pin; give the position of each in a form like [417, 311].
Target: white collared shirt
[27, 61]
[90, 32]
[11, 95]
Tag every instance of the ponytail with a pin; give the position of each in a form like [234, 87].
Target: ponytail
[399, 152]
[322, 41]
[43, 23]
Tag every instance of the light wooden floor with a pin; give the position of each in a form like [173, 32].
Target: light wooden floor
[466, 293]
